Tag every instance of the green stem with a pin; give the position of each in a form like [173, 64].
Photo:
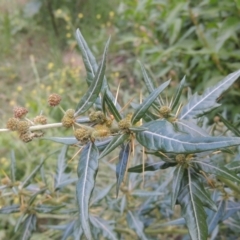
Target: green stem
[230, 184]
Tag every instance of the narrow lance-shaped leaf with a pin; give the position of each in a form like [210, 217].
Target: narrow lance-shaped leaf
[32, 174]
[10, 209]
[112, 108]
[178, 93]
[217, 169]
[29, 226]
[200, 104]
[106, 229]
[13, 166]
[68, 231]
[176, 183]
[161, 136]
[234, 166]
[148, 82]
[230, 126]
[151, 167]
[61, 167]
[42, 208]
[215, 217]
[115, 142]
[88, 58]
[94, 89]
[202, 194]
[136, 224]
[91, 64]
[63, 140]
[193, 212]
[143, 107]
[122, 164]
[87, 171]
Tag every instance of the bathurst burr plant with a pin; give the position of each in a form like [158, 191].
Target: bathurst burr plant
[175, 137]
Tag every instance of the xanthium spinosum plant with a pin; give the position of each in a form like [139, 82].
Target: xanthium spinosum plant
[174, 134]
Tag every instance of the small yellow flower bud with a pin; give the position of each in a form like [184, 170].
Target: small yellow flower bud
[164, 111]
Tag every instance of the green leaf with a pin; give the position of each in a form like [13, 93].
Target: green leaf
[88, 58]
[13, 166]
[68, 231]
[190, 128]
[137, 129]
[234, 166]
[202, 194]
[193, 212]
[107, 231]
[29, 226]
[61, 179]
[122, 164]
[215, 217]
[200, 104]
[91, 64]
[176, 183]
[178, 93]
[31, 175]
[148, 82]
[230, 126]
[87, 171]
[218, 170]
[10, 209]
[112, 108]
[34, 196]
[42, 208]
[151, 167]
[136, 225]
[143, 107]
[115, 142]
[161, 136]
[64, 140]
[94, 89]
[60, 175]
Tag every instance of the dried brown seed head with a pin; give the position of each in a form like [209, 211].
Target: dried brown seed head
[12, 124]
[22, 127]
[20, 112]
[54, 99]
[40, 120]
[26, 137]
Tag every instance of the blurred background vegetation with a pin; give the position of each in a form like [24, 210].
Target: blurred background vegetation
[39, 55]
